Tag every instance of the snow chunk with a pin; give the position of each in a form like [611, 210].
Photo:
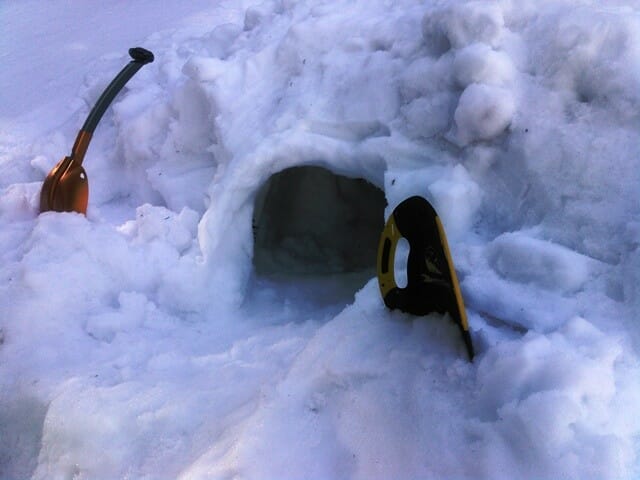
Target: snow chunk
[593, 54]
[131, 314]
[257, 14]
[456, 199]
[426, 76]
[521, 258]
[483, 112]
[428, 116]
[220, 40]
[20, 201]
[204, 69]
[153, 223]
[461, 25]
[479, 63]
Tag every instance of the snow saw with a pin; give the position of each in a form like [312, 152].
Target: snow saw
[432, 284]
[66, 187]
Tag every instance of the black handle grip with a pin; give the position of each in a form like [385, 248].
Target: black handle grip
[140, 58]
[141, 55]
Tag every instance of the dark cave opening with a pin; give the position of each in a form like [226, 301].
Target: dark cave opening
[311, 221]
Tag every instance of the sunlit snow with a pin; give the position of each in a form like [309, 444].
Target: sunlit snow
[216, 313]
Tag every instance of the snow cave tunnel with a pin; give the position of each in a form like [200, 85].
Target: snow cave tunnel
[309, 221]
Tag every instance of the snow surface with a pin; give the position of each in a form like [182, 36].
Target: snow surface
[140, 341]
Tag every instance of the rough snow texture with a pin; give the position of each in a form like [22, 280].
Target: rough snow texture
[138, 342]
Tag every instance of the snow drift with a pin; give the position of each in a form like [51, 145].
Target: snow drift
[146, 340]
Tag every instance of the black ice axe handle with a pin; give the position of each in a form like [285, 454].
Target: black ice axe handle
[140, 57]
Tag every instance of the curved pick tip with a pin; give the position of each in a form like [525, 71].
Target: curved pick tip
[141, 55]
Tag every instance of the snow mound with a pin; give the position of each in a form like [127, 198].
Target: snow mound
[483, 112]
[570, 389]
[521, 258]
[145, 341]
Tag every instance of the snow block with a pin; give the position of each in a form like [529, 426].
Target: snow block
[483, 112]
[479, 63]
[524, 259]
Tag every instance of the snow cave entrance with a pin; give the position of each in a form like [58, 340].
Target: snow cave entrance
[312, 226]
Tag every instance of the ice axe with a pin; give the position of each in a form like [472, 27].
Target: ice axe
[66, 188]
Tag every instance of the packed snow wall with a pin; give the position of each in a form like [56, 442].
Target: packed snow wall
[459, 103]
